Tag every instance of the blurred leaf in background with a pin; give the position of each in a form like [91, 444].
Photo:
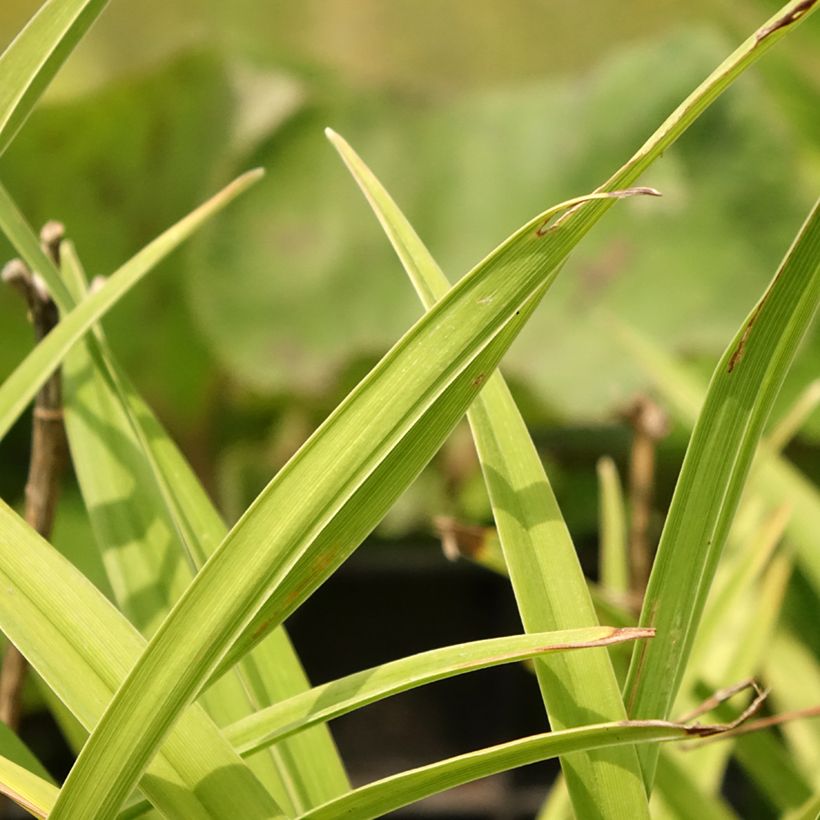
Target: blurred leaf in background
[254, 331]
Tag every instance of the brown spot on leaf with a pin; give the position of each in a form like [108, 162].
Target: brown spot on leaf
[737, 355]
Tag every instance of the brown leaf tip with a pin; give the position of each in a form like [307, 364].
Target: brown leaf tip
[638, 191]
[616, 635]
[785, 20]
[547, 226]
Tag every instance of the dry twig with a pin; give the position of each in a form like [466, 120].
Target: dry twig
[48, 448]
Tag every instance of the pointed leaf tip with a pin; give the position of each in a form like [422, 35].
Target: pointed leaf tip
[248, 178]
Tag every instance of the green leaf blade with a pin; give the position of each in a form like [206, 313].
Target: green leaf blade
[360, 689]
[273, 539]
[121, 455]
[21, 386]
[82, 647]
[547, 579]
[368, 505]
[376, 799]
[30, 62]
[717, 461]
[277, 532]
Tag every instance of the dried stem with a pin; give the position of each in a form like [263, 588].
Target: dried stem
[716, 698]
[767, 723]
[723, 695]
[650, 424]
[48, 449]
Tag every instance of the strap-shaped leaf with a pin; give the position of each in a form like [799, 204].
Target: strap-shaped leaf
[274, 540]
[28, 65]
[368, 505]
[33, 59]
[277, 672]
[331, 700]
[376, 799]
[683, 795]
[547, 579]
[82, 647]
[743, 388]
[124, 460]
[774, 477]
[666, 135]
[284, 528]
[310, 764]
[738, 625]
[18, 389]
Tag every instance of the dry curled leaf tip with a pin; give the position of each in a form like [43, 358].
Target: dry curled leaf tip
[787, 19]
[636, 191]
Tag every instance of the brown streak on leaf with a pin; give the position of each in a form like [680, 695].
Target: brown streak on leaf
[708, 730]
[617, 635]
[786, 20]
[641, 653]
[737, 355]
[695, 730]
[735, 358]
[547, 228]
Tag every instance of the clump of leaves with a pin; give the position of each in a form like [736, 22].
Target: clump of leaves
[178, 687]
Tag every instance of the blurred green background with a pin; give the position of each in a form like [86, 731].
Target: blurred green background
[475, 116]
